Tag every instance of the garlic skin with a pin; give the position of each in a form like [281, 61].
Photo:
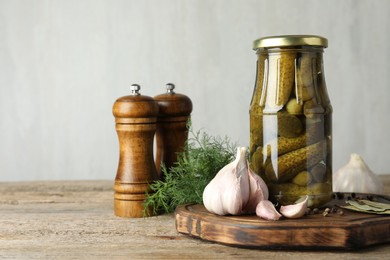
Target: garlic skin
[266, 210]
[356, 177]
[228, 192]
[258, 191]
[296, 210]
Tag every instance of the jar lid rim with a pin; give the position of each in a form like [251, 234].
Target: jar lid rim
[290, 40]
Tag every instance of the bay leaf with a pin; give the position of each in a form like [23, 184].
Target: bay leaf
[378, 205]
[366, 207]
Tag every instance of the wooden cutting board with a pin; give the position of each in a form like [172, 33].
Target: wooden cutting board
[352, 230]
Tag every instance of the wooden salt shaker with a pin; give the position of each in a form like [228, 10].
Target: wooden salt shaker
[135, 117]
[172, 132]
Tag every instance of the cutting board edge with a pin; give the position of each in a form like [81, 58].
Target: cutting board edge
[350, 236]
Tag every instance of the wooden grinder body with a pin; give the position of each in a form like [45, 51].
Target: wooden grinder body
[135, 118]
[172, 131]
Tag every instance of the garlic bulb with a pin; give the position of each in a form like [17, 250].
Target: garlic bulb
[258, 191]
[228, 192]
[266, 210]
[356, 177]
[295, 210]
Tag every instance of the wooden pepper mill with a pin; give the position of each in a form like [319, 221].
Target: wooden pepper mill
[135, 118]
[172, 132]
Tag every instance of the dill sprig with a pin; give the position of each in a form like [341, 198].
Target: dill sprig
[202, 157]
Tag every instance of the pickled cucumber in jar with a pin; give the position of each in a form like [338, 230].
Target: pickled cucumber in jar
[290, 120]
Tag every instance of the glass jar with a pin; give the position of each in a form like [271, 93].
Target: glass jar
[291, 120]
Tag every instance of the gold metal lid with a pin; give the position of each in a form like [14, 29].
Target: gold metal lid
[290, 40]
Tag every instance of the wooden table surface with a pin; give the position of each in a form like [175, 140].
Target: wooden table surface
[75, 220]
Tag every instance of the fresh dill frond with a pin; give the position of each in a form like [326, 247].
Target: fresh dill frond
[202, 157]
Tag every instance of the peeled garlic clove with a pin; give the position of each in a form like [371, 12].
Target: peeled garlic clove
[258, 191]
[266, 210]
[228, 191]
[296, 210]
[356, 177]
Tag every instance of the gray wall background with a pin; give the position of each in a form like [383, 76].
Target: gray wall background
[64, 63]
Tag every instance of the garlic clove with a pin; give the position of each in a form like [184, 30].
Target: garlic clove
[228, 191]
[258, 191]
[356, 177]
[266, 210]
[296, 210]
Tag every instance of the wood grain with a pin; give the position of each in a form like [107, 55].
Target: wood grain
[135, 117]
[172, 132]
[349, 231]
[75, 220]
